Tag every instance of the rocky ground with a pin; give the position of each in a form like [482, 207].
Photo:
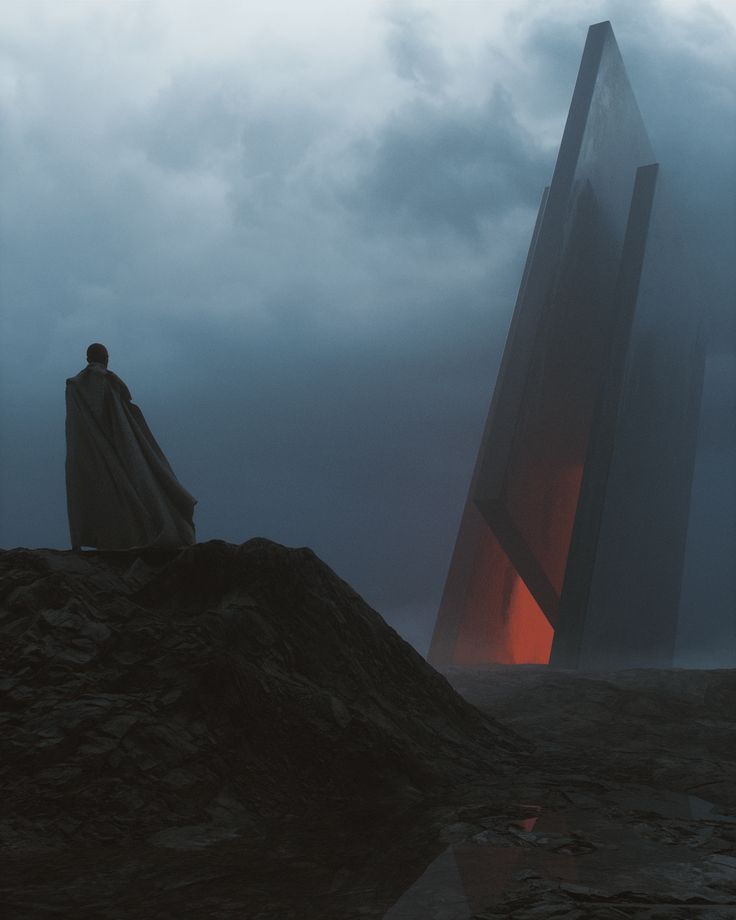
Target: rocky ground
[162, 703]
[626, 808]
[230, 732]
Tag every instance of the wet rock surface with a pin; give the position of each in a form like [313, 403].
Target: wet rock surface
[626, 808]
[230, 732]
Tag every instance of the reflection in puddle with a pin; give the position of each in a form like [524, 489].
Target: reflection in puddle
[438, 892]
[475, 874]
[469, 876]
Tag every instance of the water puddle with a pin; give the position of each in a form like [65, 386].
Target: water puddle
[638, 840]
[470, 875]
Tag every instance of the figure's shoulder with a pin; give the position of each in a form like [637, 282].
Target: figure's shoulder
[97, 376]
[86, 373]
[93, 375]
[77, 379]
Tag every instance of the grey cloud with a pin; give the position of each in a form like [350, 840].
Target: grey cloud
[414, 55]
[195, 120]
[215, 123]
[310, 315]
[551, 46]
[441, 165]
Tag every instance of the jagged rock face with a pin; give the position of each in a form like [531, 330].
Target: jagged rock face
[182, 696]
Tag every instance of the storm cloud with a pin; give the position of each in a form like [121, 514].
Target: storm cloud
[300, 232]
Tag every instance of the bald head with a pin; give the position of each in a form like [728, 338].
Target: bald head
[97, 354]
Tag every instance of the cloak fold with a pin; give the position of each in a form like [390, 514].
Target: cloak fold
[121, 491]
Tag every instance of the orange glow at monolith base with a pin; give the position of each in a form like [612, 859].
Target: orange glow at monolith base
[502, 622]
[529, 632]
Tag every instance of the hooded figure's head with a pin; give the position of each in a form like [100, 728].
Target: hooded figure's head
[97, 354]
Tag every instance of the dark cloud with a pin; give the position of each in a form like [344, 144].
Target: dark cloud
[306, 286]
[441, 165]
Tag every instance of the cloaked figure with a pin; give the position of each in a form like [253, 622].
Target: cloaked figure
[121, 491]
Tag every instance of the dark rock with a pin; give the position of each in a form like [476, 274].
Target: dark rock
[142, 688]
[243, 737]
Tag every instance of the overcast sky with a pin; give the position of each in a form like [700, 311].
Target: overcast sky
[299, 229]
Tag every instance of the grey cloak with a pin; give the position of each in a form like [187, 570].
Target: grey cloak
[121, 491]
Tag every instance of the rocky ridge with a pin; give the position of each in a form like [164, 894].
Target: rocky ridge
[183, 697]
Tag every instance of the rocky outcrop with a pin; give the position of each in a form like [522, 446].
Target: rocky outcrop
[184, 697]
[230, 732]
